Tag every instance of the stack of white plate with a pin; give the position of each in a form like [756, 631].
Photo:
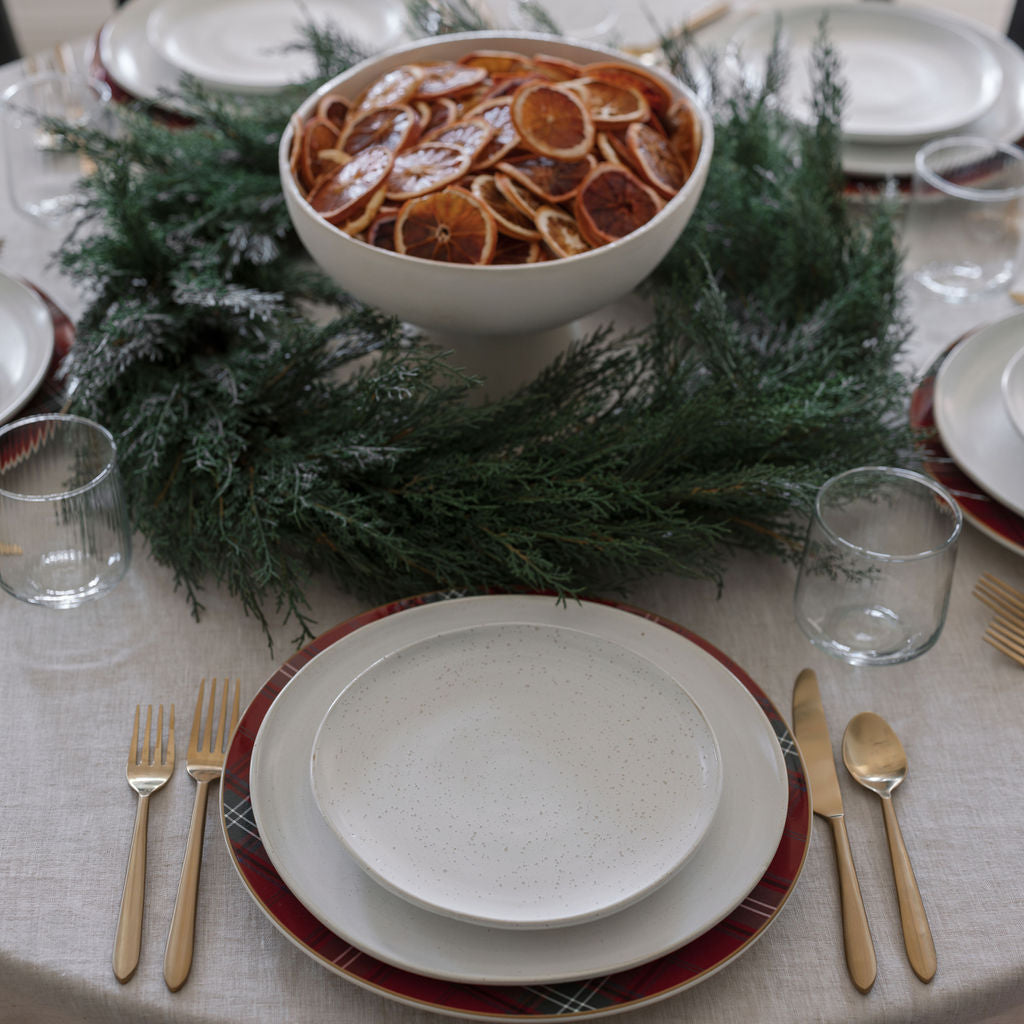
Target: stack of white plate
[502, 790]
[238, 46]
[910, 75]
[979, 413]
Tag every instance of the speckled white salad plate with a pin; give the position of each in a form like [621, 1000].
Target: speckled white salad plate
[318, 869]
[517, 775]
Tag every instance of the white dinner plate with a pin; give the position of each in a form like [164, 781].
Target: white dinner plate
[517, 775]
[244, 45]
[26, 344]
[1012, 385]
[133, 64]
[909, 76]
[973, 421]
[316, 867]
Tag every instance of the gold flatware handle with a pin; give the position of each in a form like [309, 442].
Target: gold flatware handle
[128, 937]
[917, 935]
[860, 951]
[181, 937]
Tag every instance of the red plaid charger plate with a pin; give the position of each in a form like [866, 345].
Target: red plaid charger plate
[628, 989]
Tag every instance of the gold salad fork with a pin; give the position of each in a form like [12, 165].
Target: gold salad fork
[1006, 631]
[148, 769]
[205, 763]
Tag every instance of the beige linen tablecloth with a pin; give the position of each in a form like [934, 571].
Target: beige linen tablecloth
[70, 681]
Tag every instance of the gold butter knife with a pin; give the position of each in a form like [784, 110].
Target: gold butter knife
[811, 731]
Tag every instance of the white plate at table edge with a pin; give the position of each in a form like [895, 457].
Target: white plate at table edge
[1003, 122]
[970, 416]
[179, 33]
[734, 855]
[505, 698]
[128, 58]
[33, 335]
[971, 47]
[1011, 383]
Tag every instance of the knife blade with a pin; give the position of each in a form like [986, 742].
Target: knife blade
[811, 731]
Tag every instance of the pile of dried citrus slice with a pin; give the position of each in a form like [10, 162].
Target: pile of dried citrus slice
[497, 158]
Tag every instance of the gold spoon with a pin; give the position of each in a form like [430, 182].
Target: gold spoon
[874, 756]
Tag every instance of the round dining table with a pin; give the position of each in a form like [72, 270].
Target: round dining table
[70, 681]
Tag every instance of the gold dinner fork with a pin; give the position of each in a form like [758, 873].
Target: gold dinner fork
[1006, 631]
[148, 769]
[205, 763]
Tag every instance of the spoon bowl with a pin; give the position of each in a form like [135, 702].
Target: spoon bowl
[874, 756]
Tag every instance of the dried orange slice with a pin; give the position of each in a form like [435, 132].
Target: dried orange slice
[448, 80]
[555, 69]
[510, 219]
[560, 231]
[552, 122]
[362, 216]
[656, 159]
[498, 114]
[510, 251]
[397, 86]
[610, 105]
[452, 226]
[381, 233]
[521, 198]
[392, 127]
[318, 136]
[555, 181]
[472, 135]
[436, 114]
[337, 196]
[497, 61]
[333, 108]
[630, 77]
[686, 133]
[426, 167]
[612, 203]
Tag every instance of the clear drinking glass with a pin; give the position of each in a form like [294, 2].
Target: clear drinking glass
[877, 566]
[41, 172]
[963, 226]
[64, 533]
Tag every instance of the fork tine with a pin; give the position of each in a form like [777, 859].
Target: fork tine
[215, 744]
[169, 758]
[999, 596]
[1003, 648]
[197, 719]
[1008, 632]
[133, 750]
[211, 711]
[158, 754]
[146, 753]
[235, 706]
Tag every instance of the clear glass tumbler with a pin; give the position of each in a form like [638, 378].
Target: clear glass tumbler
[42, 172]
[963, 224]
[874, 581]
[64, 533]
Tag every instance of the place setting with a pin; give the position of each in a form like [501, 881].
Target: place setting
[238, 47]
[911, 74]
[474, 859]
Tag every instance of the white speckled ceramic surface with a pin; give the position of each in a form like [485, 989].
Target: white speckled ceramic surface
[516, 774]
